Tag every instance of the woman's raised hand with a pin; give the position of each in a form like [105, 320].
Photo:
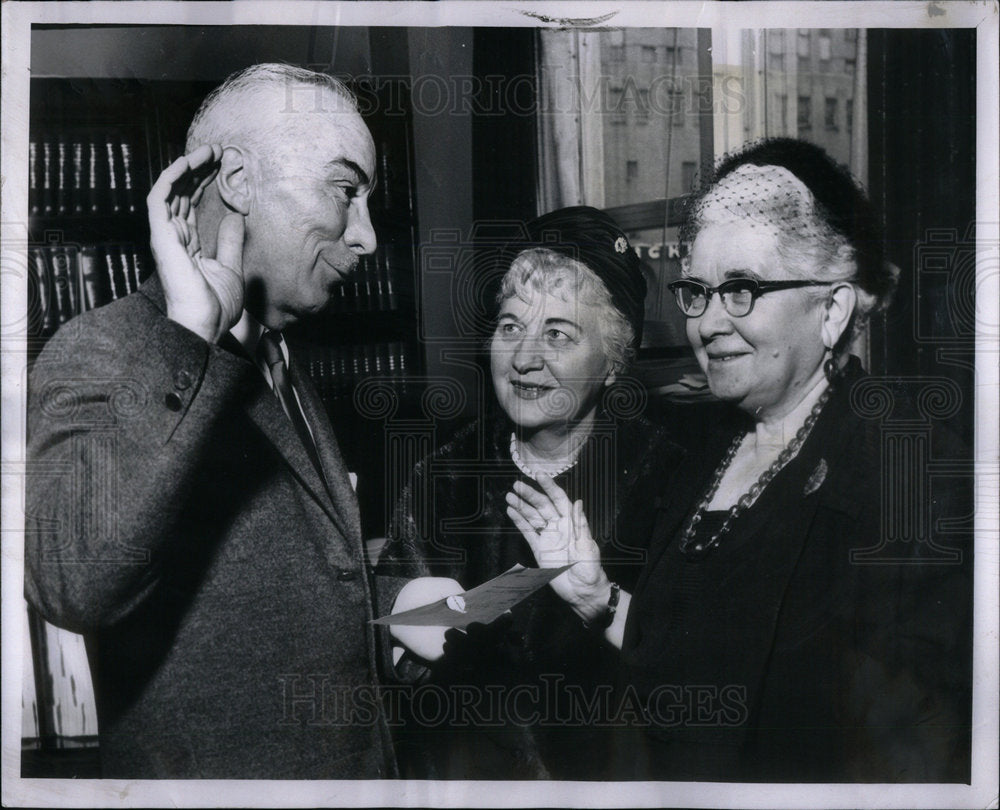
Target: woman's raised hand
[205, 295]
[558, 533]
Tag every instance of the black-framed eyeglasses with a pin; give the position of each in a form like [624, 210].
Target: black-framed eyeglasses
[737, 294]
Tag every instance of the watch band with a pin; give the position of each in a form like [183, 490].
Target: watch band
[604, 621]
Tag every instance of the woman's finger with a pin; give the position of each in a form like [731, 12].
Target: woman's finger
[526, 529]
[542, 502]
[583, 543]
[526, 510]
[555, 494]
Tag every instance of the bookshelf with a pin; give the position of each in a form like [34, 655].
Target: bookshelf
[96, 146]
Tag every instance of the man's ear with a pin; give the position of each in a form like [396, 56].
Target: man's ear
[840, 306]
[233, 180]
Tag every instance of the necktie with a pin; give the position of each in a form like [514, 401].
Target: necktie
[269, 350]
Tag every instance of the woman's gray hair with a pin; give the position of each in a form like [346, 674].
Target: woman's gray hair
[228, 114]
[824, 224]
[544, 270]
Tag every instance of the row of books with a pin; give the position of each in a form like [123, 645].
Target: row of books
[65, 280]
[62, 703]
[82, 174]
[374, 286]
[336, 370]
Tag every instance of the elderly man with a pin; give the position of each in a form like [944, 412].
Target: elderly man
[191, 514]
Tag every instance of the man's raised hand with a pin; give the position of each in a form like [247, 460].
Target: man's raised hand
[205, 295]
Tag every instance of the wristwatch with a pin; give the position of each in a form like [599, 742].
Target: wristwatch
[603, 622]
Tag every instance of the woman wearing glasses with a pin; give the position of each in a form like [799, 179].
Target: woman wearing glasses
[772, 634]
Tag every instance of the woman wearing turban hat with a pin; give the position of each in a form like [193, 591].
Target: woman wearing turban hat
[525, 692]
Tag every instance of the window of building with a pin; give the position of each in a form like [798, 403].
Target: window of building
[631, 170]
[783, 114]
[804, 41]
[850, 115]
[649, 54]
[805, 114]
[830, 113]
[776, 61]
[642, 107]
[689, 173]
[616, 105]
[850, 66]
[616, 53]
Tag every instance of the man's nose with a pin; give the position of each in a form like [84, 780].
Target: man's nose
[359, 234]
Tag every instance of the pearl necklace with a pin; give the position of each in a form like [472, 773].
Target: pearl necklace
[519, 462]
[787, 454]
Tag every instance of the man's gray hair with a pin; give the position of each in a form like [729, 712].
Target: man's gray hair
[227, 116]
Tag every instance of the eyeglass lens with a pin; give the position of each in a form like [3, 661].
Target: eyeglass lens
[737, 297]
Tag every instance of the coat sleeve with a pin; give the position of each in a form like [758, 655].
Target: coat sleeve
[401, 561]
[121, 405]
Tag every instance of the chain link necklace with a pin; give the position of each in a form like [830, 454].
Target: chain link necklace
[519, 462]
[687, 544]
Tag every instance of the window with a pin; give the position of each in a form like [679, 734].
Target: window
[851, 34]
[850, 66]
[830, 113]
[616, 105]
[824, 52]
[850, 116]
[631, 170]
[649, 54]
[804, 43]
[776, 61]
[805, 114]
[783, 113]
[689, 172]
[642, 108]
[616, 53]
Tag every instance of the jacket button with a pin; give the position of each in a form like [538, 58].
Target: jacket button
[346, 575]
[183, 379]
[173, 401]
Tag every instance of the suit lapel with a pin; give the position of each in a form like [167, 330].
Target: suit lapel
[263, 408]
[334, 470]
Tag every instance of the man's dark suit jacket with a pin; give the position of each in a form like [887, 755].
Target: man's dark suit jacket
[175, 519]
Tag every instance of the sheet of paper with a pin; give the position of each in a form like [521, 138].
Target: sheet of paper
[484, 603]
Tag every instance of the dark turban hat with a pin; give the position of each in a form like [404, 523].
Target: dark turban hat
[591, 237]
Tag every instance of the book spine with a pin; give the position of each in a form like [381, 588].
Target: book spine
[128, 177]
[33, 189]
[48, 168]
[78, 189]
[90, 278]
[93, 181]
[45, 318]
[113, 177]
[114, 285]
[62, 177]
[62, 282]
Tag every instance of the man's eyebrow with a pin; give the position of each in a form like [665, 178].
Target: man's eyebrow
[347, 163]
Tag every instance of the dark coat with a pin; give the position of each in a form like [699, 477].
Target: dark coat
[451, 521]
[804, 648]
[175, 519]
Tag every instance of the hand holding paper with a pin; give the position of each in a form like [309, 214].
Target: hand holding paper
[482, 604]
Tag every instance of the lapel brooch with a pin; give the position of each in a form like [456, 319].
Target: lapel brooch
[816, 479]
